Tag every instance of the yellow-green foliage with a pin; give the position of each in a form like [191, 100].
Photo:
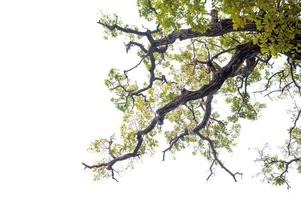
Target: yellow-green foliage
[277, 23]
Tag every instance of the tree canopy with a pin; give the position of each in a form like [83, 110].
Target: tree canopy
[197, 54]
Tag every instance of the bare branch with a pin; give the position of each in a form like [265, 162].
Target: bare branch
[267, 85]
[173, 141]
[211, 170]
[196, 131]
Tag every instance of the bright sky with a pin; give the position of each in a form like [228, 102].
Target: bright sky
[53, 103]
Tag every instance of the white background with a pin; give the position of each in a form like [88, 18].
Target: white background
[53, 102]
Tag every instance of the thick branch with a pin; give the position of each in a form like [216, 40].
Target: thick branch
[218, 29]
[242, 52]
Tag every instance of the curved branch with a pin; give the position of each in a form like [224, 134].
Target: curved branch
[197, 129]
[242, 52]
[173, 141]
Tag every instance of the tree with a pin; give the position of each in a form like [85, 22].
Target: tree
[199, 54]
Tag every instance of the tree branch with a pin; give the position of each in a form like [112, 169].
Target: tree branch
[242, 52]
